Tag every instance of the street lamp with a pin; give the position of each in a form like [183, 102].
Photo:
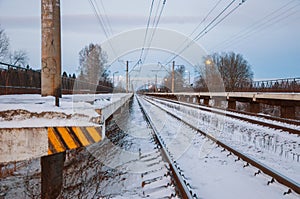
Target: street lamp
[208, 61]
[114, 77]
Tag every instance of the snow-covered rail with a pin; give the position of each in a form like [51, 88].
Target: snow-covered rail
[291, 126]
[275, 175]
[287, 102]
[181, 184]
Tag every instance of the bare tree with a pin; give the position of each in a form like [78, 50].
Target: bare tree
[200, 84]
[18, 57]
[92, 60]
[234, 69]
[4, 45]
[179, 80]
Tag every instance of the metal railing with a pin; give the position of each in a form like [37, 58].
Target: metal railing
[19, 80]
[276, 85]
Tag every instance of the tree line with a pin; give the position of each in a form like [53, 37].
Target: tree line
[219, 71]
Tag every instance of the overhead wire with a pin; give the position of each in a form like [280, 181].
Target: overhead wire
[262, 28]
[99, 17]
[156, 12]
[134, 66]
[198, 26]
[102, 24]
[154, 29]
[106, 17]
[147, 28]
[210, 26]
[261, 24]
[216, 18]
[222, 19]
[155, 22]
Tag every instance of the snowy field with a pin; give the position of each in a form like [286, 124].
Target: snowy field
[210, 171]
[18, 111]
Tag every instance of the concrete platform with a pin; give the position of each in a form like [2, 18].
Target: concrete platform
[45, 137]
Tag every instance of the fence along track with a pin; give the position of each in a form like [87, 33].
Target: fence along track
[292, 185]
[184, 191]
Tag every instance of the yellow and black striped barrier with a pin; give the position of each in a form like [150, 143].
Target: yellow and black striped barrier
[64, 138]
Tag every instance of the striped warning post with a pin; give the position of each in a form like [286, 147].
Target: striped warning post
[65, 138]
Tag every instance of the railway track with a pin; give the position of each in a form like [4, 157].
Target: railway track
[185, 192]
[261, 168]
[281, 123]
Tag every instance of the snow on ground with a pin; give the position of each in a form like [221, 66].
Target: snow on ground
[261, 119]
[126, 164]
[209, 171]
[277, 149]
[28, 110]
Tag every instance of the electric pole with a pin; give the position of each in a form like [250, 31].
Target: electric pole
[155, 88]
[173, 77]
[51, 49]
[127, 77]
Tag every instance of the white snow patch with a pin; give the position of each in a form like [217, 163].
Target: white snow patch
[74, 110]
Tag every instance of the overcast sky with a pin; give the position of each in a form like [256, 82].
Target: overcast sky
[265, 32]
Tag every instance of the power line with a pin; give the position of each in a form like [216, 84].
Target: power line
[154, 29]
[136, 64]
[210, 26]
[198, 26]
[260, 25]
[99, 17]
[106, 17]
[101, 22]
[204, 19]
[146, 33]
[156, 12]
[264, 27]
[222, 19]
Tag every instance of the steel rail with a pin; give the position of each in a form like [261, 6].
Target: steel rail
[295, 186]
[228, 113]
[184, 191]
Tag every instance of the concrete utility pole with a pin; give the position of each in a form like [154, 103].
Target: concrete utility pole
[114, 77]
[189, 77]
[155, 88]
[127, 80]
[51, 49]
[173, 77]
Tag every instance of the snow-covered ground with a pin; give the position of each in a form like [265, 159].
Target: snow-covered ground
[261, 119]
[126, 164]
[18, 111]
[277, 149]
[210, 172]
